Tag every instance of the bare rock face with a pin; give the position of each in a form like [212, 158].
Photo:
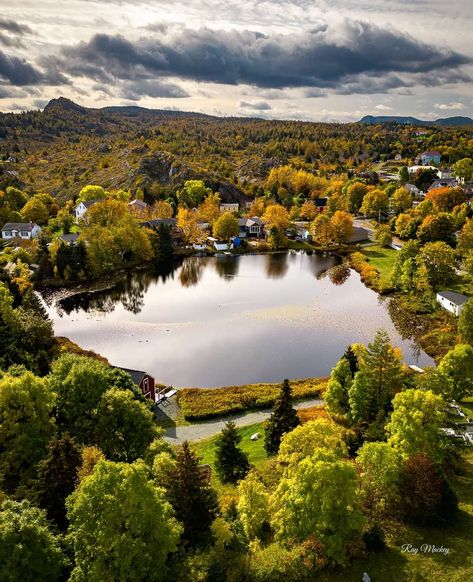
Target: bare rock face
[164, 168]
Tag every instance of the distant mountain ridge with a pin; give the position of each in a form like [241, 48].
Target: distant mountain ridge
[445, 121]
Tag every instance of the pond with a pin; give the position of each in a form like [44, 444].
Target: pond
[229, 320]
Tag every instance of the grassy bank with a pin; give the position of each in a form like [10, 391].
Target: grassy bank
[374, 264]
[201, 403]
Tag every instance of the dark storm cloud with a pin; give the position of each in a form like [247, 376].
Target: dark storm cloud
[135, 90]
[18, 72]
[320, 58]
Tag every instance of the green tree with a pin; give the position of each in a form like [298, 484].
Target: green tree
[29, 550]
[121, 526]
[79, 383]
[341, 378]
[226, 227]
[194, 501]
[424, 177]
[457, 364]
[407, 252]
[438, 260]
[463, 169]
[465, 322]
[355, 194]
[163, 246]
[124, 427]
[415, 423]
[192, 193]
[437, 381]
[319, 498]
[253, 506]
[304, 441]
[57, 477]
[383, 235]
[379, 478]
[283, 419]
[231, 462]
[465, 238]
[91, 192]
[26, 425]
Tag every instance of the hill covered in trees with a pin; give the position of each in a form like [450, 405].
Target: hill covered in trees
[67, 146]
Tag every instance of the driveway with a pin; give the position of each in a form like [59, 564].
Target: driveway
[176, 435]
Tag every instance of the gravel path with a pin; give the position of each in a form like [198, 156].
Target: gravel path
[178, 434]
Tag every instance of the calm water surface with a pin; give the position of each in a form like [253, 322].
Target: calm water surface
[215, 321]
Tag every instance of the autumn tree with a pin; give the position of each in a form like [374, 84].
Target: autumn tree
[426, 497]
[438, 261]
[445, 199]
[283, 419]
[91, 192]
[231, 462]
[161, 210]
[209, 210]
[375, 202]
[308, 210]
[440, 227]
[321, 230]
[187, 223]
[401, 200]
[35, 211]
[355, 194]
[277, 216]
[121, 526]
[342, 227]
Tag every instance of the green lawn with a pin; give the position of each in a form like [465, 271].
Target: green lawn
[382, 259]
[255, 449]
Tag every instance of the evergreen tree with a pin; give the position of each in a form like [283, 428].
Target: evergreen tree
[232, 463]
[193, 500]
[282, 420]
[163, 248]
[352, 359]
[57, 477]
[45, 267]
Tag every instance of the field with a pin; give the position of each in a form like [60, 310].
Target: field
[200, 403]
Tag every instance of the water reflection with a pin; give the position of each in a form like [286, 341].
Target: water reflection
[210, 321]
[276, 265]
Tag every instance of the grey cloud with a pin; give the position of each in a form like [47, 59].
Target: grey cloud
[136, 90]
[255, 105]
[322, 58]
[14, 27]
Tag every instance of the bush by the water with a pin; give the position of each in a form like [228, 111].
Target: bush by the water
[200, 403]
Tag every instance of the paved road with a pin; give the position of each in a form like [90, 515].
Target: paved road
[202, 430]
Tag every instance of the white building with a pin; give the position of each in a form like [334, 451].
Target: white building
[452, 301]
[82, 208]
[229, 207]
[24, 230]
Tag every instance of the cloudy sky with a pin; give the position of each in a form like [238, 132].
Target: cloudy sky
[293, 59]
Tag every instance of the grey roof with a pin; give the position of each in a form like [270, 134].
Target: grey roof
[454, 297]
[139, 203]
[26, 226]
[320, 202]
[136, 375]
[89, 203]
[157, 221]
[71, 237]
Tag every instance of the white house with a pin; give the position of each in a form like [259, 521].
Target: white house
[24, 230]
[250, 227]
[452, 301]
[229, 207]
[218, 245]
[82, 208]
